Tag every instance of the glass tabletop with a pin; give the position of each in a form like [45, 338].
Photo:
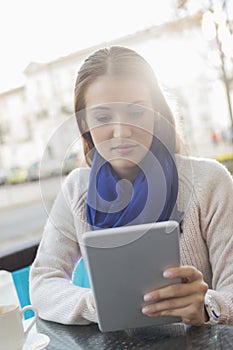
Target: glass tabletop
[175, 336]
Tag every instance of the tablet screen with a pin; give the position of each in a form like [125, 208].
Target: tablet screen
[123, 264]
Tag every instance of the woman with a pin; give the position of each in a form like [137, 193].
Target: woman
[129, 134]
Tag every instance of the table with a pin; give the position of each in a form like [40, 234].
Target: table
[169, 337]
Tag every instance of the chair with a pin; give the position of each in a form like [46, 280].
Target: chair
[80, 276]
[21, 282]
[18, 262]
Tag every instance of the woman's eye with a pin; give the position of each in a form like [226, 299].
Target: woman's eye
[137, 113]
[103, 118]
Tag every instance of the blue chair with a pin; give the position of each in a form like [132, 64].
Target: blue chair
[15, 262]
[80, 276]
[21, 282]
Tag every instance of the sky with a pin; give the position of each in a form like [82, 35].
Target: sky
[43, 30]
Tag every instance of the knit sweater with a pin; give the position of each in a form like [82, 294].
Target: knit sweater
[206, 198]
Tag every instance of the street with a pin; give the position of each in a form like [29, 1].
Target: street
[24, 210]
[20, 224]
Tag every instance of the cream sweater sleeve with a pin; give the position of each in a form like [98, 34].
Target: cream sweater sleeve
[51, 290]
[216, 206]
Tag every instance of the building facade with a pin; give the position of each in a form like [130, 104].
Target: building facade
[37, 119]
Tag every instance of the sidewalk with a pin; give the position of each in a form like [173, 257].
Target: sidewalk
[16, 195]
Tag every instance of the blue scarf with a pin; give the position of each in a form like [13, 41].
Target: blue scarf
[150, 198]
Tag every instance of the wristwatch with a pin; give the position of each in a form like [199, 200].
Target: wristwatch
[212, 308]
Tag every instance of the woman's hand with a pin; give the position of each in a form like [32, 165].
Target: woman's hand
[185, 299]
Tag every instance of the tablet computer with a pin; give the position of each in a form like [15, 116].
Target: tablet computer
[123, 264]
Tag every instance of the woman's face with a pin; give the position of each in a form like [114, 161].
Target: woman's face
[120, 118]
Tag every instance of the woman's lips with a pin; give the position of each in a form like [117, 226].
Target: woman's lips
[124, 149]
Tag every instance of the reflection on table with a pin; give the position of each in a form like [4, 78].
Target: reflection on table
[176, 336]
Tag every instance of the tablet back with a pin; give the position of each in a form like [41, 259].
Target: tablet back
[123, 264]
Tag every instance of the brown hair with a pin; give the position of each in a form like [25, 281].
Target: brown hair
[119, 61]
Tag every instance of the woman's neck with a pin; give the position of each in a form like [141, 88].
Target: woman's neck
[127, 173]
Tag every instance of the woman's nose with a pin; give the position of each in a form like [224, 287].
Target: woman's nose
[122, 130]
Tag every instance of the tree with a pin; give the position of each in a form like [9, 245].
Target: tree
[217, 27]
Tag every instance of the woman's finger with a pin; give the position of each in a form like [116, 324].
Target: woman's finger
[177, 290]
[189, 273]
[172, 304]
[190, 314]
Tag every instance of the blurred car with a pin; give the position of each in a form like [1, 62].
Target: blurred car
[3, 176]
[40, 170]
[227, 135]
[33, 171]
[71, 162]
[17, 175]
[52, 166]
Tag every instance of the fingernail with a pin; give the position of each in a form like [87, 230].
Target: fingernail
[167, 274]
[146, 309]
[148, 297]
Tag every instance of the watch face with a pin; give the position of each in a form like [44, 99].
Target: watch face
[215, 308]
[212, 308]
